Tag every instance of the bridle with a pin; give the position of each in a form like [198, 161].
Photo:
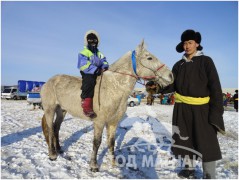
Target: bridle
[135, 75]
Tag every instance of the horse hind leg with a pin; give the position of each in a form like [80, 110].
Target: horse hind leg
[48, 131]
[45, 129]
[60, 115]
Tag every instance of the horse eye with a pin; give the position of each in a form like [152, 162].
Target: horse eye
[149, 58]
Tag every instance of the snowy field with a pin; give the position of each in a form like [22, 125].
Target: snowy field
[145, 131]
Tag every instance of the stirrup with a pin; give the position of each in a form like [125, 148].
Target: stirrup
[91, 114]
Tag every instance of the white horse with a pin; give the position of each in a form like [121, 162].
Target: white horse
[61, 94]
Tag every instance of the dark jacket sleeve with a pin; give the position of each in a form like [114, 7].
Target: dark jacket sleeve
[216, 99]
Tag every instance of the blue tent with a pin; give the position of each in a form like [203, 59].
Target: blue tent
[27, 86]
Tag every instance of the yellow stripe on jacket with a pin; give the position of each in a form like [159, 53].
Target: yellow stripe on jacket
[191, 100]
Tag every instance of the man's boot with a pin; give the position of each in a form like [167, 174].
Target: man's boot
[209, 170]
[87, 105]
[187, 172]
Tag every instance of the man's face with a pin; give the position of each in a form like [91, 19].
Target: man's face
[190, 47]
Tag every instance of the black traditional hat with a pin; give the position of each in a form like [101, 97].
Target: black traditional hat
[189, 35]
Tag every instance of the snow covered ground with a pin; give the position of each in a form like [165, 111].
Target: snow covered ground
[142, 146]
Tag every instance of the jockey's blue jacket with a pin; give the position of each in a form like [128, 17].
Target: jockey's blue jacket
[90, 63]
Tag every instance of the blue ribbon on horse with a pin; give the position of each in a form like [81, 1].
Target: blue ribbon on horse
[134, 62]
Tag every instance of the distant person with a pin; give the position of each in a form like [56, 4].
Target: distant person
[198, 109]
[172, 99]
[235, 100]
[161, 97]
[169, 100]
[151, 88]
[224, 100]
[228, 95]
[36, 88]
[91, 63]
[139, 97]
[165, 99]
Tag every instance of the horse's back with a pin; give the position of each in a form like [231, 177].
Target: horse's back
[64, 78]
[60, 87]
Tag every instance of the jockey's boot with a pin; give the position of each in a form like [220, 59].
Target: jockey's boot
[87, 105]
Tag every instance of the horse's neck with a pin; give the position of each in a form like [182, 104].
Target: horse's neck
[121, 71]
[123, 64]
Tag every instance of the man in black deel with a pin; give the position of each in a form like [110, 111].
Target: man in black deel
[198, 110]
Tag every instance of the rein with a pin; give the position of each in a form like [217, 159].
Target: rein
[99, 89]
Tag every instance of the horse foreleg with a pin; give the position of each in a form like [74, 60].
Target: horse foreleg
[98, 129]
[111, 129]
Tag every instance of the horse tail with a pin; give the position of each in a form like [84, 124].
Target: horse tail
[45, 128]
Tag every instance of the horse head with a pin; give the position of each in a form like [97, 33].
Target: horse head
[150, 68]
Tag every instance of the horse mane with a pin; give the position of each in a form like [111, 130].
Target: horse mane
[120, 63]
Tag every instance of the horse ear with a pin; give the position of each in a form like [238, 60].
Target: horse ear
[141, 46]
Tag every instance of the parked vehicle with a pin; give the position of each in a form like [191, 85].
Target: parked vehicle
[133, 101]
[34, 98]
[9, 93]
[21, 91]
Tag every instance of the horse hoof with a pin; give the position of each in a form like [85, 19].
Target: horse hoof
[95, 169]
[52, 159]
[113, 163]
